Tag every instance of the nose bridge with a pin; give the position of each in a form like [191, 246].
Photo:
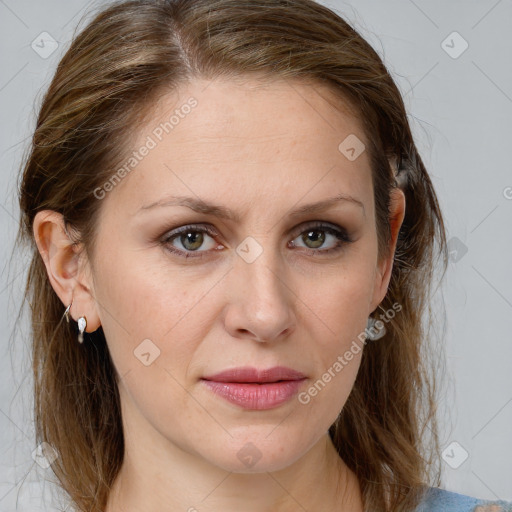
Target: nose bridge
[264, 301]
[262, 269]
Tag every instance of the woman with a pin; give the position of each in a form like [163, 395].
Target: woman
[233, 242]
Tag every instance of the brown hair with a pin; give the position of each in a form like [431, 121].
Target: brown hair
[123, 60]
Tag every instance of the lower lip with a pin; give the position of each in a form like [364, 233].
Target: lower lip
[255, 396]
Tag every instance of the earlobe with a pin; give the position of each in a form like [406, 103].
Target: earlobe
[61, 260]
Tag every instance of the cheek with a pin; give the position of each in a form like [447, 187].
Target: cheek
[327, 393]
[336, 315]
[339, 296]
[337, 323]
[150, 317]
[153, 308]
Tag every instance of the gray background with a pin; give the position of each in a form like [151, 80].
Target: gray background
[460, 108]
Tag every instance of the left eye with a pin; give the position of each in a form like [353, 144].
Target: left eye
[316, 237]
[192, 239]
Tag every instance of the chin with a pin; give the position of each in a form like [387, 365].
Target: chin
[257, 453]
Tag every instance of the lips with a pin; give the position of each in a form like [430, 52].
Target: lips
[254, 375]
[251, 388]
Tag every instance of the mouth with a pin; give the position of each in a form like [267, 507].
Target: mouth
[256, 389]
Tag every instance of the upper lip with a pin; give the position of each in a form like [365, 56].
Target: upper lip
[251, 374]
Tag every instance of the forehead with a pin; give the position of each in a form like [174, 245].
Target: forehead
[223, 103]
[249, 137]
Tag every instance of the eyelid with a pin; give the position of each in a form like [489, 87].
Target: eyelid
[320, 225]
[210, 230]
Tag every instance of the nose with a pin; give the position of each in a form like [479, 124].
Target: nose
[261, 301]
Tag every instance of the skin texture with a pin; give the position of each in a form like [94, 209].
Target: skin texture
[262, 150]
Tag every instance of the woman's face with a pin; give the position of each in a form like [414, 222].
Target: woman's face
[254, 280]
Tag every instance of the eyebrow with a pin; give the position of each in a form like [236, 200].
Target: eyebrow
[223, 212]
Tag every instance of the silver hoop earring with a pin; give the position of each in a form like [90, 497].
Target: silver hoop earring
[375, 329]
[82, 323]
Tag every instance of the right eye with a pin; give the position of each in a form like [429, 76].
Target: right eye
[191, 238]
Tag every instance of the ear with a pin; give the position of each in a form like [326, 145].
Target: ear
[66, 266]
[385, 266]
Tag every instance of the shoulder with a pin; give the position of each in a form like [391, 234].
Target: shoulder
[440, 500]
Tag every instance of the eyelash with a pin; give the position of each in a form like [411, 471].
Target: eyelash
[340, 234]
